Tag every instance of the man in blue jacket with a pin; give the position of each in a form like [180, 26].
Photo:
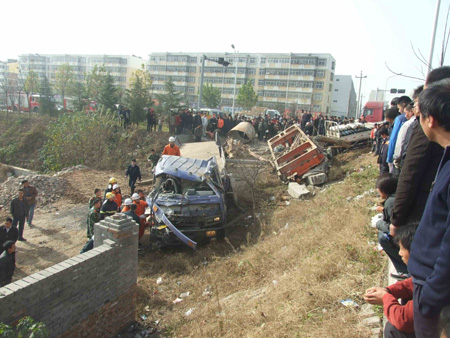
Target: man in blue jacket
[402, 102]
[134, 173]
[429, 262]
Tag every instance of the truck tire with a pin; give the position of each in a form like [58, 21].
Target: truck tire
[36, 109]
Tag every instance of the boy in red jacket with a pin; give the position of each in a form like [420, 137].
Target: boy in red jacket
[400, 317]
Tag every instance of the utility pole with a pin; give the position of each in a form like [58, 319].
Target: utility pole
[360, 77]
[201, 82]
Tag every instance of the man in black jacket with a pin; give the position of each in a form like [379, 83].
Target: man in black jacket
[7, 264]
[418, 170]
[134, 173]
[8, 233]
[19, 211]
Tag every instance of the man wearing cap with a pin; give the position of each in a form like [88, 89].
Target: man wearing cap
[7, 263]
[134, 173]
[94, 217]
[19, 210]
[30, 196]
[8, 233]
[109, 207]
[171, 148]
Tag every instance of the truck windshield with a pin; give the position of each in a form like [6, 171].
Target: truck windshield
[368, 112]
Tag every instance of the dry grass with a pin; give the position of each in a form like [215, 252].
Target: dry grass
[276, 281]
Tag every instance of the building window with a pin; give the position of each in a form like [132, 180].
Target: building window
[336, 90]
[331, 76]
[318, 97]
[320, 73]
[333, 65]
[322, 62]
[316, 108]
[334, 101]
[330, 88]
[318, 85]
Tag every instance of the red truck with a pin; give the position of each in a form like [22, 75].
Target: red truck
[373, 111]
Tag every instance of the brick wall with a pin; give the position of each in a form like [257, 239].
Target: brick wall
[89, 295]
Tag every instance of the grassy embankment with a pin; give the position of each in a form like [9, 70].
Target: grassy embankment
[282, 278]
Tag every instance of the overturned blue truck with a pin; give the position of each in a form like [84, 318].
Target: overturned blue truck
[188, 201]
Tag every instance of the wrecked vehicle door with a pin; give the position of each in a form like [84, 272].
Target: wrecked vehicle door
[188, 201]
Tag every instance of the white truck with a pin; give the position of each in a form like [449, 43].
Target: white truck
[352, 132]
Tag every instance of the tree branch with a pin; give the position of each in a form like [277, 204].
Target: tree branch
[401, 74]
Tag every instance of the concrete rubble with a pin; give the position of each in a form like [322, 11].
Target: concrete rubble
[49, 188]
[297, 190]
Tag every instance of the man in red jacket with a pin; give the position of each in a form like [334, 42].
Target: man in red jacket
[400, 317]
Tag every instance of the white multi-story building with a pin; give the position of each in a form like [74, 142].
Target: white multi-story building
[121, 67]
[344, 97]
[305, 80]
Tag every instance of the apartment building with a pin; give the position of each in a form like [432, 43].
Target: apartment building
[121, 67]
[344, 97]
[278, 78]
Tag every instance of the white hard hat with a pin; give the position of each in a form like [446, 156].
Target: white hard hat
[171, 139]
[115, 186]
[128, 201]
[135, 196]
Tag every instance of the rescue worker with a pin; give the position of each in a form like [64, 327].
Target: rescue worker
[220, 124]
[97, 195]
[153, 158]
[134, 173]
[116, 191]
[112, 181]
[171, 148]
[109, 207]
[126, 205]
[94, 217]
[140, 211]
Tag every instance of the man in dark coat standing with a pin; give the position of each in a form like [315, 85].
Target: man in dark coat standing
[7, 264]
[134, 173]
[30, 196]
[8, 233]
[19, 211]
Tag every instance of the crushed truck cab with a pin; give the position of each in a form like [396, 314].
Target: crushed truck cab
[187, 202]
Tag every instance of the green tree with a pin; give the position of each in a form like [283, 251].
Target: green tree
[64, 79]
[47, 103]
[80, 96]
[108, 95]
[247, 97]
[172, 98]
[94, 80]
[138, 96]
[211, 95]
[31, 85]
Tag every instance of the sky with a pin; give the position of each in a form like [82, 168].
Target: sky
[362, 35]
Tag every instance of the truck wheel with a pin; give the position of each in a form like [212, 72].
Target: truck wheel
[36, 109]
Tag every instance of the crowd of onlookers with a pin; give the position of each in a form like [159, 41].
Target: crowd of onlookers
[413, 152]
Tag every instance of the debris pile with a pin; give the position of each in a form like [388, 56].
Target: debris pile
[49, 188]
[71, 169]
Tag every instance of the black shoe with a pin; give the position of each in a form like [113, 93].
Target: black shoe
[400, 275]
[21, 239]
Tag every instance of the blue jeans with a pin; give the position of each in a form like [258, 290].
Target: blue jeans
[31, 214]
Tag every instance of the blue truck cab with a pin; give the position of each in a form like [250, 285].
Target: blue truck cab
[187, 201]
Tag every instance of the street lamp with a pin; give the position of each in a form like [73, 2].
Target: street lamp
[235, 78]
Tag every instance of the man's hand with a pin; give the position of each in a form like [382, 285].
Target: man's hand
[392, 230]
[380, 209]
[375, 295]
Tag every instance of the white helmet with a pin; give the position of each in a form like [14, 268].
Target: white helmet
[171, 139]
[135, 197]
[115, 186]
[128, 201]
